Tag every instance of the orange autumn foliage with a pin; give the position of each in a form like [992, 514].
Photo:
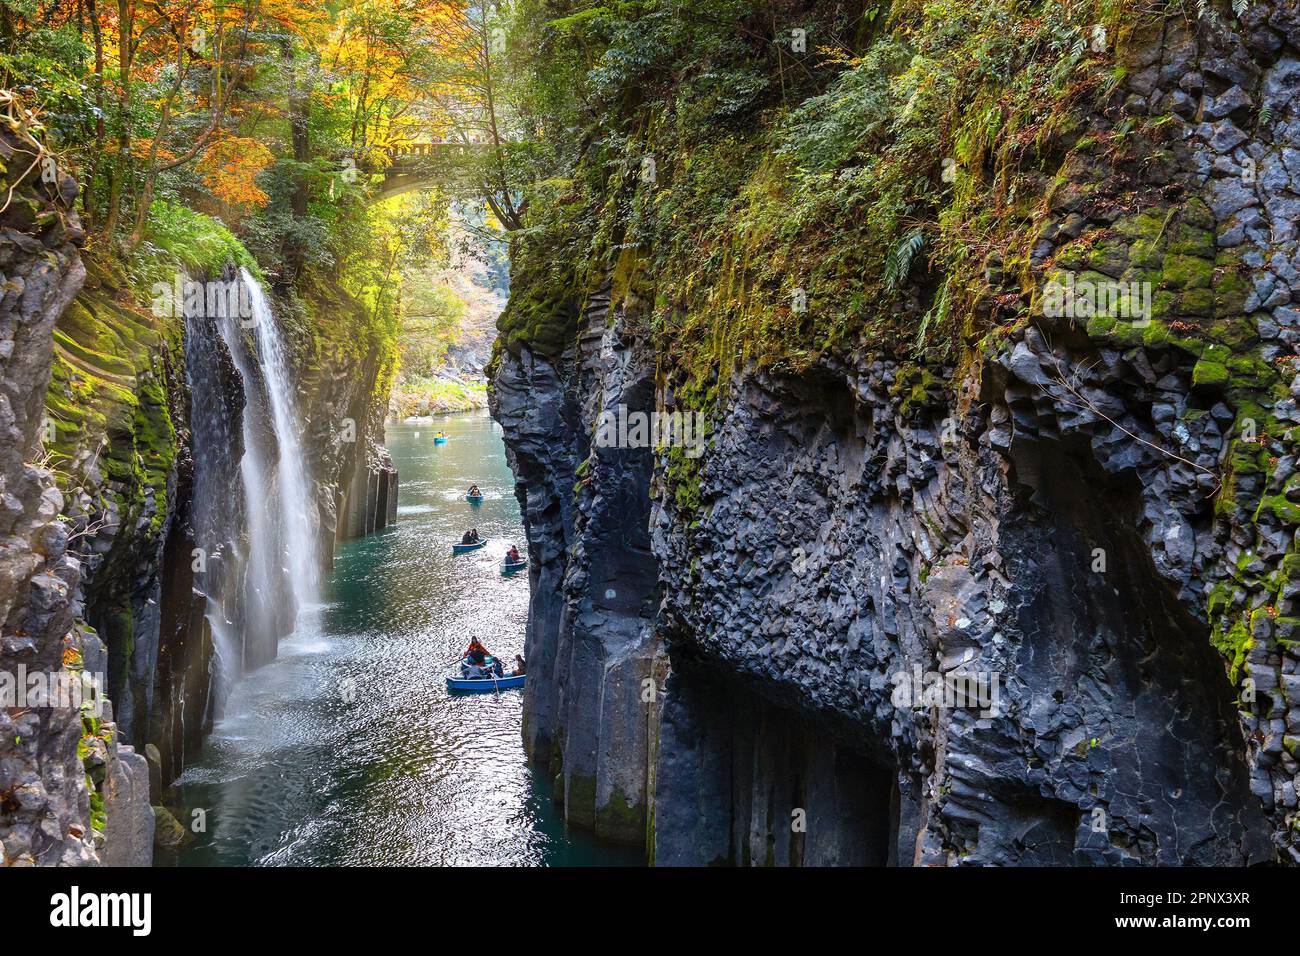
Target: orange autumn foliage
[229, 168]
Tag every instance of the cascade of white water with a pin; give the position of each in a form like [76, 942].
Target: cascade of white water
[297, 511]
[281, 577]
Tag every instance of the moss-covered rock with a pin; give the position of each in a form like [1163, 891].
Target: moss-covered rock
[1209, 374]
[168, 832]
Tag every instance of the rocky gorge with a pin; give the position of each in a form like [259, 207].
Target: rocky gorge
[987, 553]
[1095, 510]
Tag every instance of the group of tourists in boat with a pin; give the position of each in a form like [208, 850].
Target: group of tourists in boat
[480, 669]
[471, 540]
[478, 663]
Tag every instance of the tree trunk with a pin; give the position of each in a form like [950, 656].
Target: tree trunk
[299, 98]
[92, 166]
[126, 20]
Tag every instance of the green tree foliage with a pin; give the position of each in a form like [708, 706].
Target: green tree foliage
[430, 325]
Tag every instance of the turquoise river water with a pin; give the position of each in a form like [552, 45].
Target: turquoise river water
[348, 749]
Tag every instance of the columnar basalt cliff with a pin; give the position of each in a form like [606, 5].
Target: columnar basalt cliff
[1091, 510]
[591, 640]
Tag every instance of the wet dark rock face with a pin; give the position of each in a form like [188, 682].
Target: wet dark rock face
[199, 568]
[362, 497]
[1081, 517]
[858, 546]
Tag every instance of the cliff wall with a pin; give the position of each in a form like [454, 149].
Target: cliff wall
[67, 783]
[1087, 511]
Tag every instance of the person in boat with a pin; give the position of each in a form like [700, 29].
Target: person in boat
[467, 537]
[474, 492]
[512, 556]
[476, 653]
[519, 666]
[497, 669]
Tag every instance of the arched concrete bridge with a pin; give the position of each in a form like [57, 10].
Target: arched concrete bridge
[421, 165]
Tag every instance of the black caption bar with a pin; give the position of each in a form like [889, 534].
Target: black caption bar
[136, 908]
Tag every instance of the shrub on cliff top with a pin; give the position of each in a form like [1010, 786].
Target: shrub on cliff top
[195, 241]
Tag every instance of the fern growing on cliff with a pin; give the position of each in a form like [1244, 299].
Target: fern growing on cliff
[898, 265]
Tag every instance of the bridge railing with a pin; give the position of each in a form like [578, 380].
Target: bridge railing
[408, 154]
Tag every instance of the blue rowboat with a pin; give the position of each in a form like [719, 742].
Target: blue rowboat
[508, 568]
[485, 683]
[440, 439]
[465, 548]
[474, 499]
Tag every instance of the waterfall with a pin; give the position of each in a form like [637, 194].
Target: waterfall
[297, 503]
[249, 521]
[280, 573]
